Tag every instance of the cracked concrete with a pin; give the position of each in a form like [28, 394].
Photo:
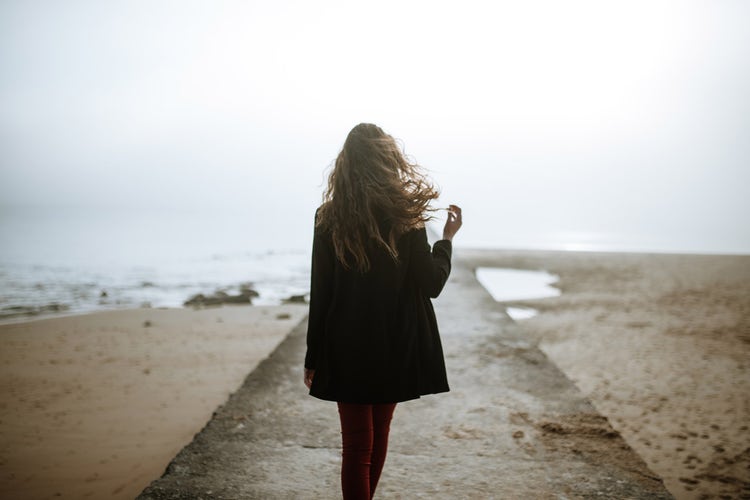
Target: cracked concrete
[513, 426]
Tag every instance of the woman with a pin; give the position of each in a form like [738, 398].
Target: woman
[372, 338]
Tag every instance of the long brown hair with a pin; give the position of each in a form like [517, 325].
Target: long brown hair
[373, 181]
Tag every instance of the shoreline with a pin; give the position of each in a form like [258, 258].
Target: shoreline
[14, 320]
[68, 309]
[475, 250]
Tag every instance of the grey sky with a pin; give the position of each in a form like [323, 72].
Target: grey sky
[541, 119]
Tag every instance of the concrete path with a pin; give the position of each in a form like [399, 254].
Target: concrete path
[513, 426]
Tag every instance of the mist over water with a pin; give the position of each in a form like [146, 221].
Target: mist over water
[78, 259]
[183, 147]
[74, 259]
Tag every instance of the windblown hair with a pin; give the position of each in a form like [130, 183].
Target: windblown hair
[373, 182]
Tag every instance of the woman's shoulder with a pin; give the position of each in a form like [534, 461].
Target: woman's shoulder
[320, 209]
[417, 229]
[414, 235]
[321, 217]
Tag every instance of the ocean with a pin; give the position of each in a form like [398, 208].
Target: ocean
[61, 260]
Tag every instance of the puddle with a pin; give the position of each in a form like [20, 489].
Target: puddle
[518, 313]
[506, 285]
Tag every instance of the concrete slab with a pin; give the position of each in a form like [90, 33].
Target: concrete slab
[513, 426]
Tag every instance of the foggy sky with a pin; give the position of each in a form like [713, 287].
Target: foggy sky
[539, 118]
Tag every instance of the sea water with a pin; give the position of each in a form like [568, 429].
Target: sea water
[78, 259]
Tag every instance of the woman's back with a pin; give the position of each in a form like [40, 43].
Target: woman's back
[372, 337]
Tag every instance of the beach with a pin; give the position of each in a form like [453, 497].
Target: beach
[660, 343]
[96, 405]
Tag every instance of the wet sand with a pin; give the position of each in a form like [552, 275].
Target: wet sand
[96, 405]
[661, 346]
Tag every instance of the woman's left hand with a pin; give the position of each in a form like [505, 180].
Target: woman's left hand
[309, 374]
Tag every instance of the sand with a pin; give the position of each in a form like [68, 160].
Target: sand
[511, 427]
[661, 345]
[96, 405]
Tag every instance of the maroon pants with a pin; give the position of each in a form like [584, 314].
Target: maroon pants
[364, 436]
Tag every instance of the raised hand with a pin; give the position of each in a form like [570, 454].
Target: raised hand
[453, 224]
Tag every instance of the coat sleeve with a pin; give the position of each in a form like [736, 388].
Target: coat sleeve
[321, 292]
[431, 267]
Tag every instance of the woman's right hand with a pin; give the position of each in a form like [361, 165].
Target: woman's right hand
[453, 224]
[309, 374]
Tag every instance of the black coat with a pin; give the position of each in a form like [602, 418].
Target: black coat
[372, 337]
